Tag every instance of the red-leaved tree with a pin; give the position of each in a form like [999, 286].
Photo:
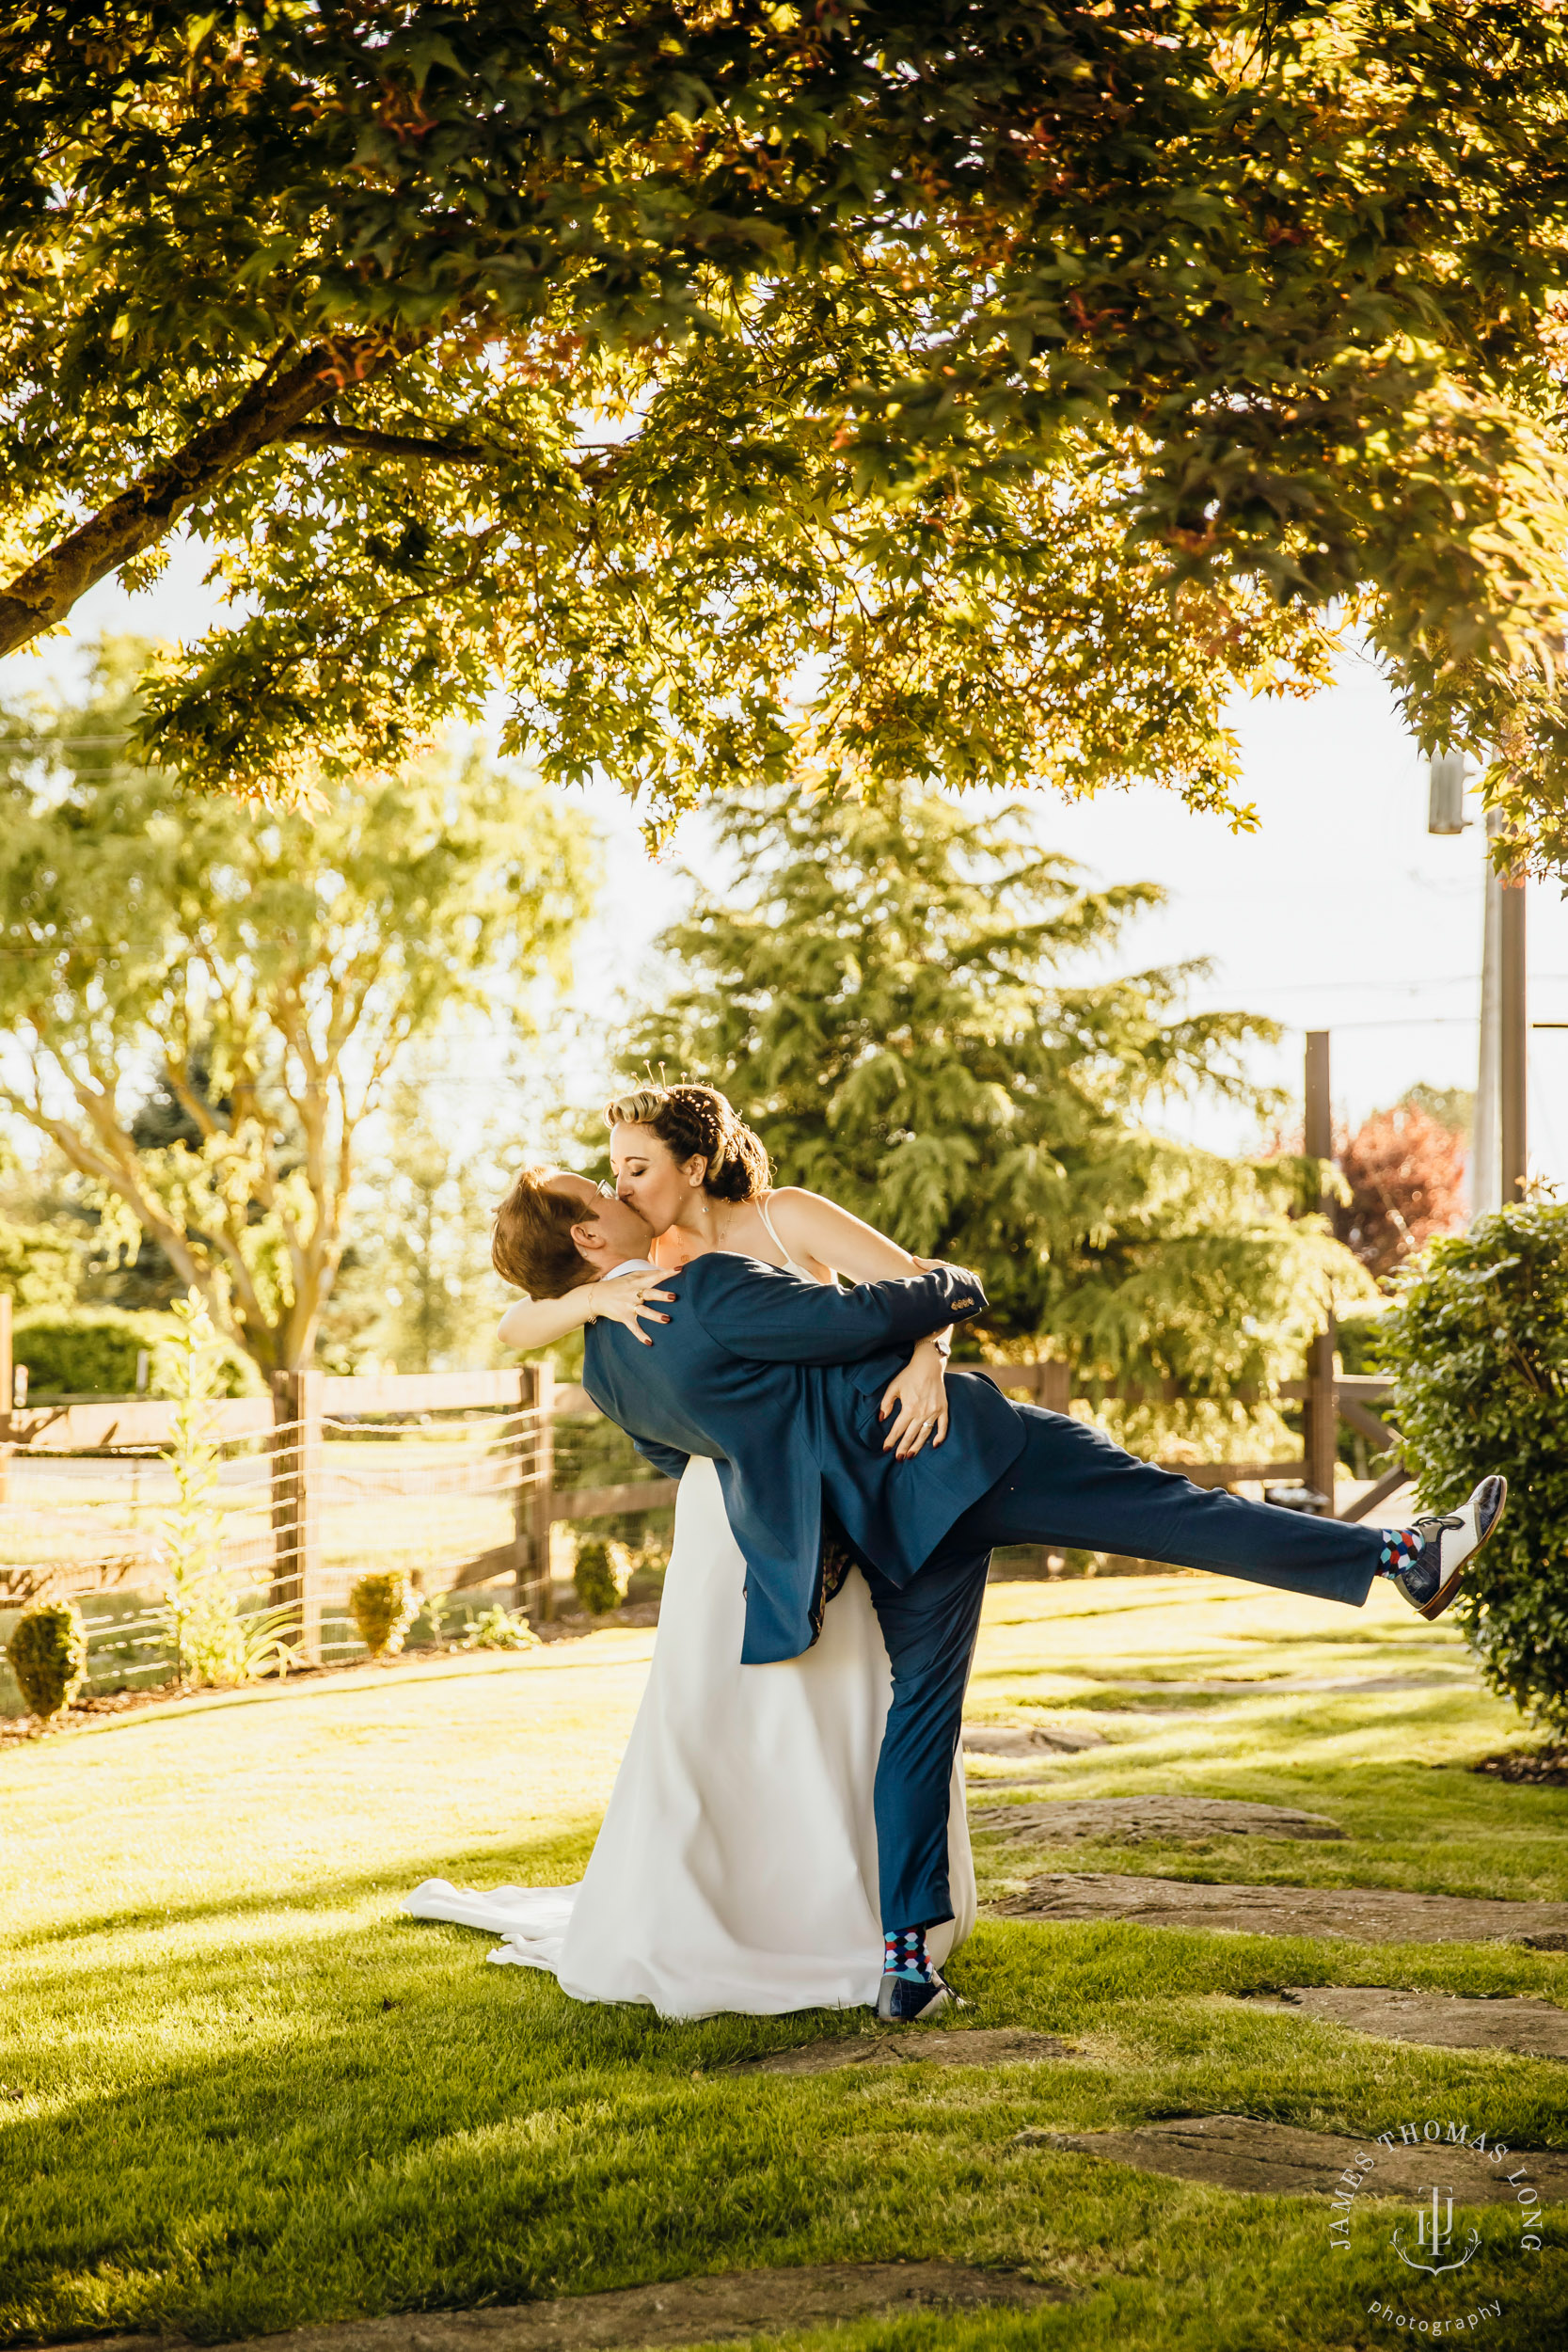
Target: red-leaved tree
[1407, 1174]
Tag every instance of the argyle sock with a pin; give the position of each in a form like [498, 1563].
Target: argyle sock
[903, 1955]
[1401, 1548]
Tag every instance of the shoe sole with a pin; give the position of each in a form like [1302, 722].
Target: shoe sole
[1445, 1592]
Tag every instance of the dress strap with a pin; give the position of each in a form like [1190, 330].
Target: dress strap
[792, 1264]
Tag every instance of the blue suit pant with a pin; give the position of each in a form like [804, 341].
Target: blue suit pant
[1069, 1487]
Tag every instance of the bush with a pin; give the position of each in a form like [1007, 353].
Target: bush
[48, 1655]
[602, 1574]
[383, 1605]
[1477, 1342]
[500, 1629]
[92, 1351]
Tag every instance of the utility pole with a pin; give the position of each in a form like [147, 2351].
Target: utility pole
[1512, 1064]
[1499, 1146]
[1486, 1188]
[1321, 1421]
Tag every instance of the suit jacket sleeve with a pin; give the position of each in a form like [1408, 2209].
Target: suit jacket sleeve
[770, 1315]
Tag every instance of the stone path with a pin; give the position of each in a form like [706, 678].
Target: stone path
[1020, 1739]
[1449, 2021]
[1266, 1686]
[1367, 1914]
[1129, 1821]
[678, 2311]
[1240, 2153]
[961, 2045]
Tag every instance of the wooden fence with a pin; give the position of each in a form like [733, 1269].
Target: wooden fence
[504, 1449]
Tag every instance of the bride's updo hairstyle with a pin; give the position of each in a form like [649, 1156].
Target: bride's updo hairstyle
[699, 1122]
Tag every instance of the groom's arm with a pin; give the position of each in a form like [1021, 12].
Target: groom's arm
[768, 1313]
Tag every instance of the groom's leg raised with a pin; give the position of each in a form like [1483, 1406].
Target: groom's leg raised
[1071, 1486]
[930, 1625]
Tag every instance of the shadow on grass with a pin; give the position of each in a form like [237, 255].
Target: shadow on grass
[377, 1683]
[556, 1860]
[486, 2139]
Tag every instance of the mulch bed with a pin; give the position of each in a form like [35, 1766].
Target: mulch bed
[93, 1705]
[1535, 1768]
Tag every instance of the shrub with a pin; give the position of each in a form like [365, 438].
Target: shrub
[1477, 1342]
[602, 1574]
[92, 1351]
[383, 1605]
[48, 1655]
[500, 1629]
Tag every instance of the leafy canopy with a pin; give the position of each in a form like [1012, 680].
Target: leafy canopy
[880, 992]
[965, 388]
[269, 966]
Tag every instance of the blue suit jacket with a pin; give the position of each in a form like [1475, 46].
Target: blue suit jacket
[777, 1379]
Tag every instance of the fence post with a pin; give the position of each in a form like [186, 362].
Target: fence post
[1054, 1389]
[1320, 1418]
[520, 1449]
[296, 1412]
[7, 1379]
[536, 1500]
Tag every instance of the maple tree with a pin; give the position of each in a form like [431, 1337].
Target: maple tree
[976, 389]
[1404, 1170]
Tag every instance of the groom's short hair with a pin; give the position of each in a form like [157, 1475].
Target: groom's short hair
[533, 1245]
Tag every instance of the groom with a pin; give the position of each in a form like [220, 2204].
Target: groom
[779, 1381]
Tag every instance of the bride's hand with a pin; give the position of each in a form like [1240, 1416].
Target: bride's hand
[920, 1397]
[629, 1297]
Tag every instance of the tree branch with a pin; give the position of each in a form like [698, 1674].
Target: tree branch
[330, 434]
[144, 514]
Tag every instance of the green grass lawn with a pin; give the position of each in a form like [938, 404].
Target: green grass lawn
[254, 2095]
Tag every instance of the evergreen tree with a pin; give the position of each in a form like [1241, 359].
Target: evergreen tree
[894, 993]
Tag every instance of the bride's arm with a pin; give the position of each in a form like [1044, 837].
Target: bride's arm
[539, 1322]
[810, 1227]
[815, 1228]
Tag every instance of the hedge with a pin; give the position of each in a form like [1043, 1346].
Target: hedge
[92, 1351]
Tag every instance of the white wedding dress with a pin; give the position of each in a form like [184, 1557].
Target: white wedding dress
[737, 1866]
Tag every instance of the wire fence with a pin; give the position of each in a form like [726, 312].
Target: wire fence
[299, 1511]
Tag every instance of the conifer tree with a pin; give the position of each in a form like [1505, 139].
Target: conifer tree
[900, 996]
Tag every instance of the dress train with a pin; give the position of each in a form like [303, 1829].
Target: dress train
[737, 1866]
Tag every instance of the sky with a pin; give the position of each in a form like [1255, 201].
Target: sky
[1339, 911]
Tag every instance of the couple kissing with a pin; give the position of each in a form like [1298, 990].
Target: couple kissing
[788, 1830]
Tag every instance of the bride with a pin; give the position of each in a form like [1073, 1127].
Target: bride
[737, 1866]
